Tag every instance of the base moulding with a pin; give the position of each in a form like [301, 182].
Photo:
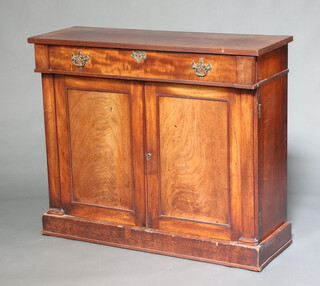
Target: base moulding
[229, 253]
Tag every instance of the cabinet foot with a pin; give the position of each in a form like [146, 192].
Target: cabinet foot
[55, 211]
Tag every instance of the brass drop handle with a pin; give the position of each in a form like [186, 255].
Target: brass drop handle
[138, 55]
[148, 156]
[79, 60]
[201, 69]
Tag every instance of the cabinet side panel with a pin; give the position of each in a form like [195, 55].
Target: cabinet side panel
[272, 63]
[41, 57]
[51, 140]
[273, 156]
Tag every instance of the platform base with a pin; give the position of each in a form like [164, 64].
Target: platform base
[229, 253]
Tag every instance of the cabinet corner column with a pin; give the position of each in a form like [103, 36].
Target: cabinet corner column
[249, 162]
[51, 140]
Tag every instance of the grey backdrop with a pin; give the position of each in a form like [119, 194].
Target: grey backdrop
[27, 258]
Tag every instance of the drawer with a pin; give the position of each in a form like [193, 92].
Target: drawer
[237, 71]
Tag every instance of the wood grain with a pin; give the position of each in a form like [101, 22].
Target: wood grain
[194, 178]
[228, 70]
[272, 63]
[214, 188]
[273, 156]
[41, 56]
[249, 170]
[246, 70]
[162, 242]
[100, 142]
[50, 120]
[99, 154]
[228, 44]
[192, 136]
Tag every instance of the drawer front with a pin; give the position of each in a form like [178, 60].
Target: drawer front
[234, 71]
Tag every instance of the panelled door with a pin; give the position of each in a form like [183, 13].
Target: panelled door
[186, 136]
[101, 155]
[192, 166]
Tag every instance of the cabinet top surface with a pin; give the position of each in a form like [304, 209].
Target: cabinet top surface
[226, 44]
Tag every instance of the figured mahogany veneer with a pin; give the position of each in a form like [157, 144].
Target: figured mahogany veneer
[146, 154]
[158, 66]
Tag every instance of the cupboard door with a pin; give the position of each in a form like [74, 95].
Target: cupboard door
[193, 173]
[101, 156]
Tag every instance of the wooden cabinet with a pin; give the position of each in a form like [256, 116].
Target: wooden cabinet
[167, 142]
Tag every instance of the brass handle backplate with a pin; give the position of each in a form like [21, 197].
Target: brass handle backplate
[79, 60]
[138, 55]
[201, 69]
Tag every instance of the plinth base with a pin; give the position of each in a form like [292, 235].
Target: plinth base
[229, 253]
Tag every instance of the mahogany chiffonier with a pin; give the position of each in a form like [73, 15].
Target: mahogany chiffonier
[167, 142]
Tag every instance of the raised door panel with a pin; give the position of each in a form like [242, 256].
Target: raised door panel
[99, 125]
[193, 174]
[194, 159]
[101, 158]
